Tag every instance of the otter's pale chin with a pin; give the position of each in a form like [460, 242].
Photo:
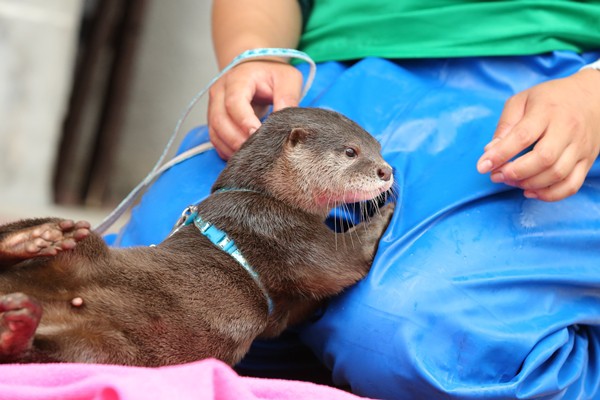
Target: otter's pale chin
[356, 196]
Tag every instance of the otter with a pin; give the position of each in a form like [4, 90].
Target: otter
[250, 260]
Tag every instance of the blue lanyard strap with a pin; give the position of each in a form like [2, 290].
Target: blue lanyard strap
[223, 242]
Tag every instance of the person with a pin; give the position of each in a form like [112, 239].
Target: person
[486, 284]
[562, 117]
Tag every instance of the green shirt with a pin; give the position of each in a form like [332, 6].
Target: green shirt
[352, 29]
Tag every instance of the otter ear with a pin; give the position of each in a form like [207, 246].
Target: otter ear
[298, 135]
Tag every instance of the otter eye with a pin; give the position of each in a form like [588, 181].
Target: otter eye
[350, 152]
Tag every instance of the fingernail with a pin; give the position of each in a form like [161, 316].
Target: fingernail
[497, 177]
[285, 102]
[530, 195]
[490, 144]
[484, 166]
[281, 105]
[252, 130]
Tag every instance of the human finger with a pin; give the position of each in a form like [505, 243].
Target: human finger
[224, 134]
[512, 113]
[564, 188]
[554, 173]
[288, 87]
[544, 155]
[222, 149]
[520, 137]
[238, 100]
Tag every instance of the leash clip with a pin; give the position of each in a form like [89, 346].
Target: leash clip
[186, 218]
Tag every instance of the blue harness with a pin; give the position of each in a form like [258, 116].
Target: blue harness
[222, 240]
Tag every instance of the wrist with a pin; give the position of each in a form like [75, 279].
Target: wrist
[225, 56]
[595, 65]
[588, 80]
[590, 77]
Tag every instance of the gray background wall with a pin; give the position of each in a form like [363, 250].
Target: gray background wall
[175, 61]
[37, 43]
[37, 47]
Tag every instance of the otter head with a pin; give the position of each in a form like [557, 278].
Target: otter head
[326, 160]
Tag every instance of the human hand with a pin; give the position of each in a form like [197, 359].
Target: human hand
[243, 95]
[561, 119]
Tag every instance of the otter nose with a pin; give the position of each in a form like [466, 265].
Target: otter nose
[384, 173]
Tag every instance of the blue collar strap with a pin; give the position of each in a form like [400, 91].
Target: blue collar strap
[223, 242]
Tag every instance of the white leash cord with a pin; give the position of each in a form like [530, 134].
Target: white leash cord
[159, 168]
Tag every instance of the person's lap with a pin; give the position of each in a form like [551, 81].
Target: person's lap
[476, 291]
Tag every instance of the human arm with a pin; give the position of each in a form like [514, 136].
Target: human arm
[561, 119]
[238, 99]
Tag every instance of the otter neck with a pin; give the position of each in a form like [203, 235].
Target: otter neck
[286, 184]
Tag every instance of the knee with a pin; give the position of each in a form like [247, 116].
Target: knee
[435, 337]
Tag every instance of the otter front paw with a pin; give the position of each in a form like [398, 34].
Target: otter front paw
[386, 212]
[379, 222]
[370, 231]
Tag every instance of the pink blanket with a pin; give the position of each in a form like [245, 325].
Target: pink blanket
[202, 380]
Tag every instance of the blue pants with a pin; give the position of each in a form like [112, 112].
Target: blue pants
[476, 291]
